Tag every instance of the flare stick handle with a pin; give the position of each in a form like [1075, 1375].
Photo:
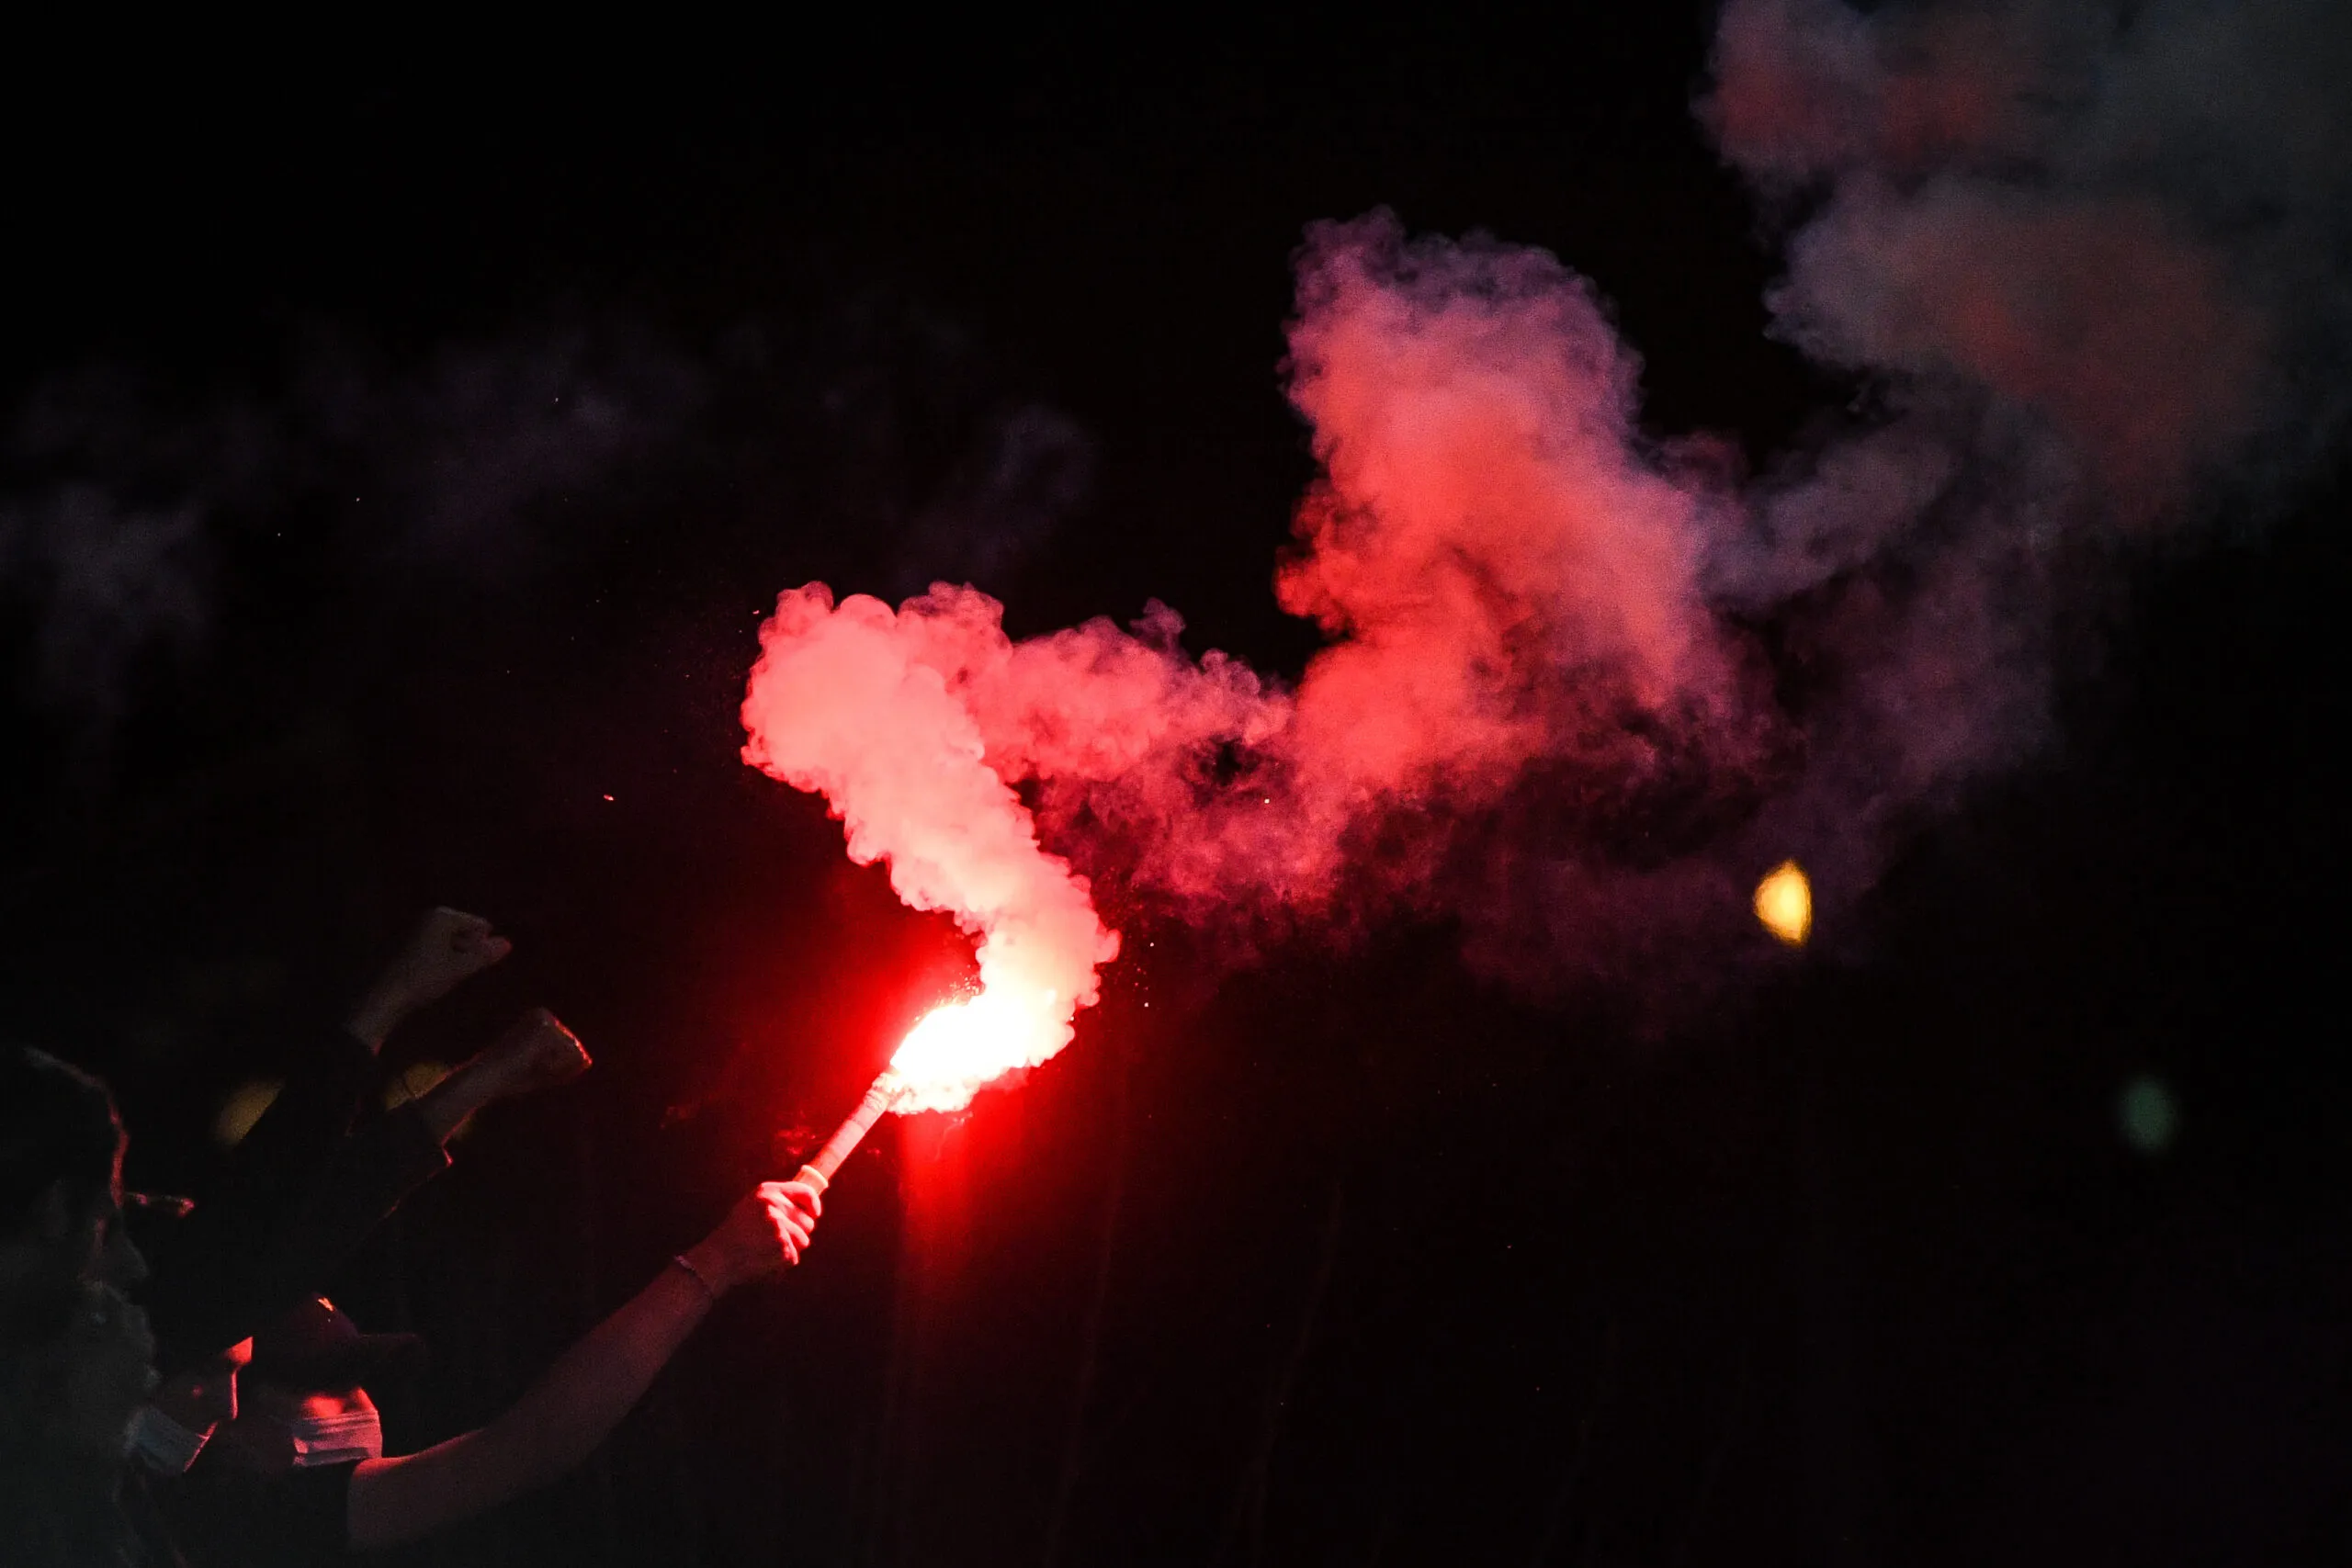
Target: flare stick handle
[818, 1171]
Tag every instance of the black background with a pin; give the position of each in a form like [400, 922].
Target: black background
[1336, 1257]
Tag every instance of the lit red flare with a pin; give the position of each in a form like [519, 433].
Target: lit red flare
[952, 1053]
[959, 1047]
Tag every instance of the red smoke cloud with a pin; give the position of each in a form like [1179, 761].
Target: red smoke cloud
[1805, 84]
[1507, 580]
[2097, 315]
[1574, 695]
[1991, 221]
[1498, 571]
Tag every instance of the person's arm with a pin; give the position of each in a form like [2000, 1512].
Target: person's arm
[332, 1078]
[449, 947]
[378, 1167]
[374, 1170]
[210, 1265]
[579, 1401]
[372, 1173]
[536, 1052]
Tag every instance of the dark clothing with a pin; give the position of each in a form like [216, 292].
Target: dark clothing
[226, 1517]
[317, 1173]
[334, 1076]
[62, 1514]
[143, 1514]
[389, 1156]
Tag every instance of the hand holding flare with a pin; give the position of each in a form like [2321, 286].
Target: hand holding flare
[819, 1172]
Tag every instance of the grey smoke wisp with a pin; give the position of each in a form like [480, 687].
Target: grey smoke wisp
[129, 505]
[122, 498]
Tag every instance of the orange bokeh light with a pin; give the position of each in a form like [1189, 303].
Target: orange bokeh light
[1784, 903]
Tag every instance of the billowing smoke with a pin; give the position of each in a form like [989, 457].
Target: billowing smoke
[1520, 644]
[840, 705]
[2089, 264]
[2120, 228]
[2084, 265]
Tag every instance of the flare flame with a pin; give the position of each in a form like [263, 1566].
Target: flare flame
[959, 1047]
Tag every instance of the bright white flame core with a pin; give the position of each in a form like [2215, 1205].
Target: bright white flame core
[958, 1047]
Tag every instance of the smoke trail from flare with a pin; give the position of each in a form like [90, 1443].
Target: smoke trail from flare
[1580, 691]
[839, 705]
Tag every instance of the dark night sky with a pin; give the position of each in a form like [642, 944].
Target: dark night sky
[1331, 1257]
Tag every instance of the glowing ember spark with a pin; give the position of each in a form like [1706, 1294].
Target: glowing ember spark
[1784, 903]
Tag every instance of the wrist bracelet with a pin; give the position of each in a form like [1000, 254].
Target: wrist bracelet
[697, 1275]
